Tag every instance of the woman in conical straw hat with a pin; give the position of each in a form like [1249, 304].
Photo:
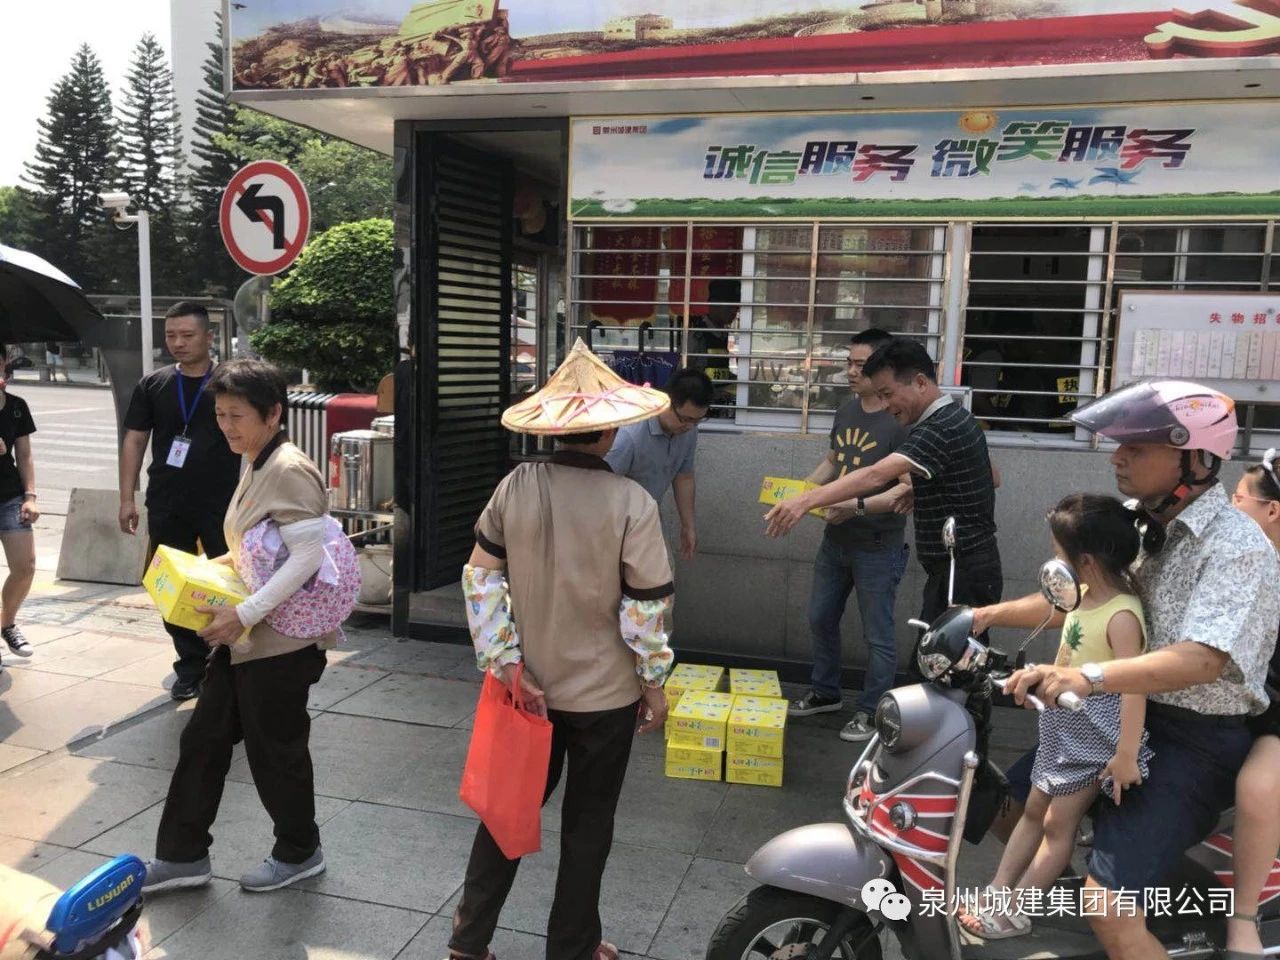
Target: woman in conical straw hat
[568, 589]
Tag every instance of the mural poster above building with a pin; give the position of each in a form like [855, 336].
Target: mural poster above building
[318, 44]
[1020, 162]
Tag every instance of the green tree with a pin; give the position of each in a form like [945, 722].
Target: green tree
[335, 314]
[345, 182]
[75, 160]
[150, 159]
[17, 215]
[211, 270]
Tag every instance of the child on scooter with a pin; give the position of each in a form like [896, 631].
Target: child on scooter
[1102, 746]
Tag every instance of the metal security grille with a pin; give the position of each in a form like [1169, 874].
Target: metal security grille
[765, 309]
[1038, 317]
[465, 258]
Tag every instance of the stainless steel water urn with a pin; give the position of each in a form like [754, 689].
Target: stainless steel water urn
[361, 470]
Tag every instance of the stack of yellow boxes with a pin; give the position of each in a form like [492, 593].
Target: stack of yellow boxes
[697, 716]
[757, 728]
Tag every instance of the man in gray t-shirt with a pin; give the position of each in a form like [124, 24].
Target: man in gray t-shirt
[658, 453]
[863, 549]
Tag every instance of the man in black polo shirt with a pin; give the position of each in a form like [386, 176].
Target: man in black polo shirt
[193, 472]
[946, 453]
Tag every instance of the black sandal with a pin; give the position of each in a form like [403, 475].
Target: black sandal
[1226, 954]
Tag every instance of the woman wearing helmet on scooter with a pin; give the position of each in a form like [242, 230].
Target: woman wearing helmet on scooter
[1208, 580]
[1257, 827]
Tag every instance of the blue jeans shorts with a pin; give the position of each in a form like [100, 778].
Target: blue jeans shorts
[11, 517]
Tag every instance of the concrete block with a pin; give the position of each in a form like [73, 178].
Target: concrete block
[93, 548]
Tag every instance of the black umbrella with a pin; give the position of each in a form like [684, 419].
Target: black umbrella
[40, 302]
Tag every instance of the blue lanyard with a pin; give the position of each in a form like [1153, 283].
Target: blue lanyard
[189, 412]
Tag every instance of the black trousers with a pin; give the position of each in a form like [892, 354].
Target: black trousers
[264, 703]
[979, 581]
[597, 747]
[180, 530]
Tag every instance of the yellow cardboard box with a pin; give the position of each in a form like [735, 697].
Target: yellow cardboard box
[761, 771]
[757, 726]
[694, 763]
[691, 676]
[776, 489]
[700, 720]
[754, 683]
[179, 582]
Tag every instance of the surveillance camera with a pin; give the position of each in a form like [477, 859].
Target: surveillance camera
[114, 201]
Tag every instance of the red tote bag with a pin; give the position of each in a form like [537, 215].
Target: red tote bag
[506, 771]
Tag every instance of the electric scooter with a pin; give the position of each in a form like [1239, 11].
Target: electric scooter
[96, 919]
[909, 803]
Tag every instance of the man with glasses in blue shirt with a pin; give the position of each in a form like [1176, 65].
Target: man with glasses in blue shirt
[658, 453]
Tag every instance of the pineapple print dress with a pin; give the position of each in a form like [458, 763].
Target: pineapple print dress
[1075, 746]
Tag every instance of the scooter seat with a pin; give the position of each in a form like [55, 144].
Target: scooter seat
[91, 908]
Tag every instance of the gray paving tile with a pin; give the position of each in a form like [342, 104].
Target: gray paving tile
[155, 671]
[89, 708]
[73, 799]
[637, 890]
[429, 775]
[418, 656]
[28, 855]
[11, 757]
[41, 634]
[751, 815]
[30, 683]
[292, 925]
[242, 834]
[151, 743]
[707, 892]
[393, 856]
[413, 699]
[432, 943]
[358, 757]
[164, 914]
[340, 681]
[88, 654]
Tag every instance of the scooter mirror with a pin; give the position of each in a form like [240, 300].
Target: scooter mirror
[949, 533]
[1059, 585]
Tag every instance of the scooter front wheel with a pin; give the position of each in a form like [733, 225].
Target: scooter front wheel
[774, 924]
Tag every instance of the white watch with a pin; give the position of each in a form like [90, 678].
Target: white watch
[1093, 673]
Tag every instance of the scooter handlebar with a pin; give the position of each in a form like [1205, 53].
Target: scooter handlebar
[1066, 701]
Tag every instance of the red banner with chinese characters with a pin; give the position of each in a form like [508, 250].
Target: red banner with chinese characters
[715, 254]
[625, 267]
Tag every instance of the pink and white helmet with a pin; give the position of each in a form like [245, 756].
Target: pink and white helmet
[1175, 413]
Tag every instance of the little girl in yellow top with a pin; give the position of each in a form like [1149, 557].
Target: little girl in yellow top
[1103, 746]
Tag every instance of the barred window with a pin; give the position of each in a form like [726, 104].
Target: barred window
[1021, 314]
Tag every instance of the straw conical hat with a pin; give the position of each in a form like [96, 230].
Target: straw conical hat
[583, 395]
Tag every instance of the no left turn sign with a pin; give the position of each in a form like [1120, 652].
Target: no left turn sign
[265, 217]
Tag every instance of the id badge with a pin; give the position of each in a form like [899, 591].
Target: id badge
[178, 452]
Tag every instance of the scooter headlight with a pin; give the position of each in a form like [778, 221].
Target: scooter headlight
[889, 722]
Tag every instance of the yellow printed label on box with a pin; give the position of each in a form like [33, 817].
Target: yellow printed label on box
[776, 489]
[179, 582]
[701, 718]
[749, 747]
[694, 763]
[758, 720]
[699, 740]
[754, 683]
[761, 771]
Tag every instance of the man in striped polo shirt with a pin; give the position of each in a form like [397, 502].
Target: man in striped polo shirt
[946, 454]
